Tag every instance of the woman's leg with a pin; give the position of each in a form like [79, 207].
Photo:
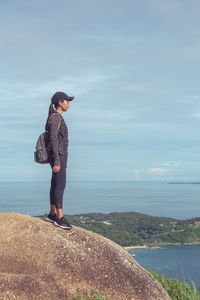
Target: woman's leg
[52, 188]
[58, 183]
[60, 213]
[53, 209]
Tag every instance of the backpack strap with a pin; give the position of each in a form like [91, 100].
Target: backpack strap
[48, 142]
[59, 118]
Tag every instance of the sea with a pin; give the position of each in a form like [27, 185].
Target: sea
[180, 201]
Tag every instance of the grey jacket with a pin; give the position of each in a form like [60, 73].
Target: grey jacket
[58, 138]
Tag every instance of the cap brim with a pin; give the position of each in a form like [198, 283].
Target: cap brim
[70, 98]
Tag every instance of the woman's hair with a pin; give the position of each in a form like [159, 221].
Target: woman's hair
[57, 103]
[52, 110]
[53, 107]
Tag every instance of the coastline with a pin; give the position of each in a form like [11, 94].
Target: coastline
[136, 247]
[159, 246]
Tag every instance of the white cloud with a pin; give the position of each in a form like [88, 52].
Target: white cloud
[158, 171]
[79, 84]
[171, 164]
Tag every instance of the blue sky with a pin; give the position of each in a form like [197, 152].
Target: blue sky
[133, 67]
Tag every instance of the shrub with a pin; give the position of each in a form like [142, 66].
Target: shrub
[176, 289]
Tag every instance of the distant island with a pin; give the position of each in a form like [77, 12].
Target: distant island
[183, 182]
[137, 229]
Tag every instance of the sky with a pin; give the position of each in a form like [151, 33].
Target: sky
[133, 67]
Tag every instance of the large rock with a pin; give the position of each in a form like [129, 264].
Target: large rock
[41, 261]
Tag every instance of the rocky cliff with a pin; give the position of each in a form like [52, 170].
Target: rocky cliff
[41, 261]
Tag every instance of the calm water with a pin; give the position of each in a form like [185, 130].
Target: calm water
[182, 262]
[159, 199]
[156, 198]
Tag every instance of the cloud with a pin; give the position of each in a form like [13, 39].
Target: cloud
[171, 164]
[158, 171]
[80, 84]
[135, 88]
[136, 172]
[196, 115]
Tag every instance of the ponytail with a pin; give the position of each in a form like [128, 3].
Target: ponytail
[51, 111]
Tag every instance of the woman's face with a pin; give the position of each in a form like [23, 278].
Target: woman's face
[64, 105]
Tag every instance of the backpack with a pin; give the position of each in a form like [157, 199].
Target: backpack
[43, 146]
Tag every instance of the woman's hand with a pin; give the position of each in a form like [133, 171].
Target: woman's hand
[56, 169]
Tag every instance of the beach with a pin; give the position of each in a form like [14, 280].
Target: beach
[159, 246]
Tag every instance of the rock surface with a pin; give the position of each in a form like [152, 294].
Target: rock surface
[41, 261]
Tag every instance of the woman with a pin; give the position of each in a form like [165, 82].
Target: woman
[58, 154]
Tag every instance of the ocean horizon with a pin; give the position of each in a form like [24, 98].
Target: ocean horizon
[179, 201]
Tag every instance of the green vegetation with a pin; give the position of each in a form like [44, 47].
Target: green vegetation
[177, 290]
[130, 228]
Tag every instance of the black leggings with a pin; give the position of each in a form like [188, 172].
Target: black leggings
[58, 182]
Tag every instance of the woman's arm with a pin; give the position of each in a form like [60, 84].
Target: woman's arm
[53, 134]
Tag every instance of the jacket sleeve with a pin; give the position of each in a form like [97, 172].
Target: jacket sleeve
[53, 133]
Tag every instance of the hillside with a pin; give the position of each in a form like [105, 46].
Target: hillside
[130, 228]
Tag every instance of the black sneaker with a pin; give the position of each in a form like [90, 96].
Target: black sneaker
[63, 223]
[51, 218]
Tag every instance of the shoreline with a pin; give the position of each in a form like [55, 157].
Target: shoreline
[159, 246]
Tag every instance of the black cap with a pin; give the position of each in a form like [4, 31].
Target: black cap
[60, 96]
